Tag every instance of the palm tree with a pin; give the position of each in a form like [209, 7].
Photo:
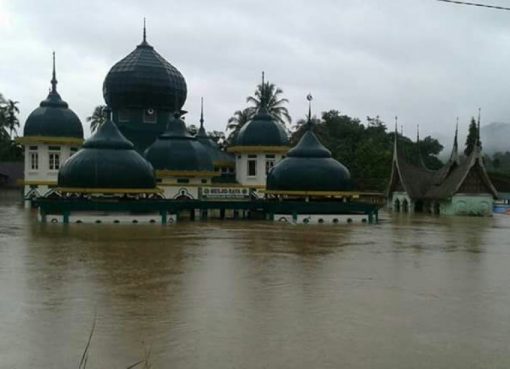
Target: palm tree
[268, 95]
[238, 120]
[8, 115]
[11, 112]
[97, 118]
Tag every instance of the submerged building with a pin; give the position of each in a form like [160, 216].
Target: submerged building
[52, 134]
[143, 166]
[461, 187]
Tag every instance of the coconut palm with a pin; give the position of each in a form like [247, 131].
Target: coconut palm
[269, 95]
[238, 120]
[12, 120]
[97, 118]
[8, 115]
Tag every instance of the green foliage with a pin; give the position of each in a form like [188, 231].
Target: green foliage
[266, 94]
[9, 122]
[367, 149]
[97, 118]
[472, 137]
[237, 121]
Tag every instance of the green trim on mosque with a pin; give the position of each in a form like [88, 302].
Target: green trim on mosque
[219, 157]
[178, 150]
[309, 167]
[262, 130]
[144, 79]
[53, 118]
[107, 160]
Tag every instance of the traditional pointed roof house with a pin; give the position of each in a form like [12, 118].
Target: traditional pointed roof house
[460, 187]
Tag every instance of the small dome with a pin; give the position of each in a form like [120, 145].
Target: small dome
[53, 118]
[177, 150]
[262, 130]
[309, 167]
[107, 160]
[144, 79]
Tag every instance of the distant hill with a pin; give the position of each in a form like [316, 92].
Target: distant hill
[495, 137]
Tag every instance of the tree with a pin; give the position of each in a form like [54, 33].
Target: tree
[237, 121]
[472, 138]
[9, 149]
[11, 116]
[192, 129]
[97, 118]
[8, 115]
[269, 95]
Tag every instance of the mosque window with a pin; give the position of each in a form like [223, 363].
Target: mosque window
[54, 160]
[270, 156]
[269, 165]
[204, 180]
[123, 115]
[34, 160]
[32, 147]
[182, 180]
[149, 116]
[252, 168]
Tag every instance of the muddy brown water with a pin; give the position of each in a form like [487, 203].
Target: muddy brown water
[407, 293]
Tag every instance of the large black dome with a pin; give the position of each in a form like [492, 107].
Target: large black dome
[144, 79]
[309, 167]
[177, 150]
[53, 118]
[107, 160]
[262, 130]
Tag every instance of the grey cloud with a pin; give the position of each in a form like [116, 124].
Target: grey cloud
[425, 61]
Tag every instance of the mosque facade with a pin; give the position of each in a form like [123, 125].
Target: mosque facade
[143, 166]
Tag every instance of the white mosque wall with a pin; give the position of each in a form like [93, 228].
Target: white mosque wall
[322, 219]
[264, 161]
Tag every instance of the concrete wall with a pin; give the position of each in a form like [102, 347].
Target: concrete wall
[468, 204]
[322, 219]
[242, 168]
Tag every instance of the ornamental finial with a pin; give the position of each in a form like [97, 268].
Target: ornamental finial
[54, 76]
[144, 31]
[201, 112]
[309, 97]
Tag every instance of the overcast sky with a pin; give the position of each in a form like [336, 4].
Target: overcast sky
[423, 60]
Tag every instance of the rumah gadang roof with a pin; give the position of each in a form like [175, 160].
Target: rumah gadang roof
[420, 182]
[53, 118]
[309, 167]
[107, 160]
[144, 79]
[177, 150]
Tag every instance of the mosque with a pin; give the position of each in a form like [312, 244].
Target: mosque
[143, 166]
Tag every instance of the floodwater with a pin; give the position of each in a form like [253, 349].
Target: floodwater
[407, 293]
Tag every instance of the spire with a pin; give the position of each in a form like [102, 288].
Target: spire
[263, 102]
[144, 31]
[478, 141]
[54, 77]
[395, 139]
[201, 113]
[421, 162]
[309, 97]
[454, 157]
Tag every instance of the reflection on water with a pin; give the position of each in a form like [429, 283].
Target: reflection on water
[407, 293]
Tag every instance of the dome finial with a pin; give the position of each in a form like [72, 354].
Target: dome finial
[144, 31]
[263, 92]
[201, 112]
[54, 76]
[309, 97]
